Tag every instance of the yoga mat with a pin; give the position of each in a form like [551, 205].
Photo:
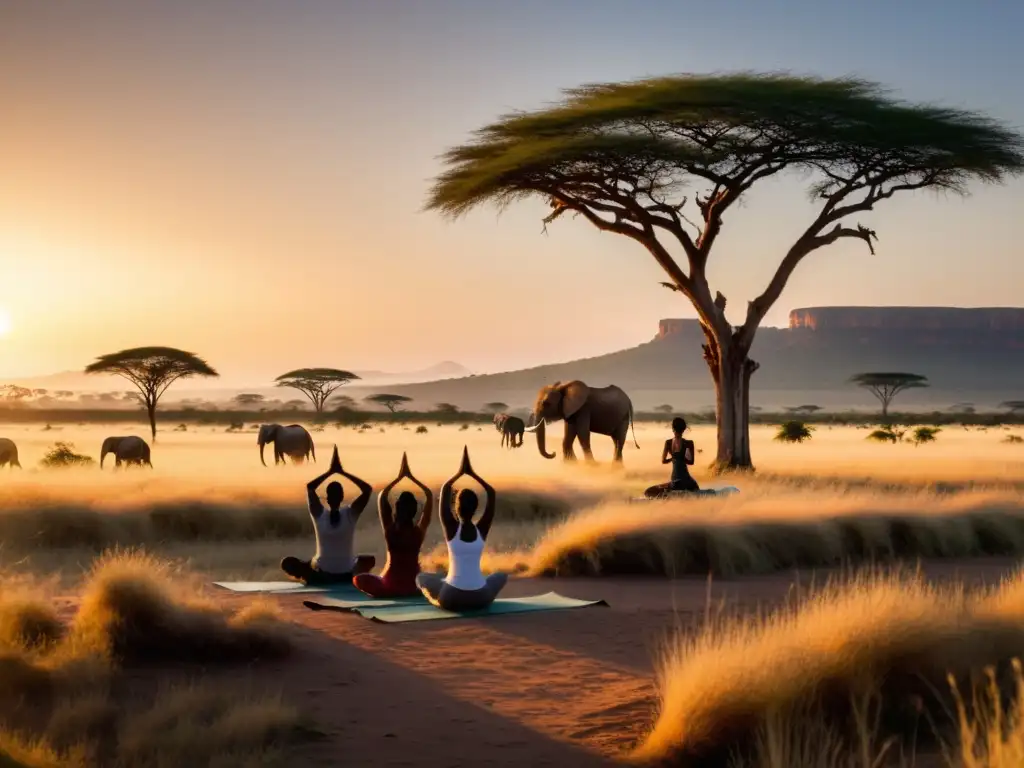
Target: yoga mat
[401, 614]
[285, 587]
[724, 491]
[361, 600]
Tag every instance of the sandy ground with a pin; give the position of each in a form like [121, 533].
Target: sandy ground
[568, 688]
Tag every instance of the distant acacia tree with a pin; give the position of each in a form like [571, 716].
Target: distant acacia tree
[446, 409]
[808, 409]
[248, 399]
[391, 402]
[63, 394]
[40, 392]
[965, 408]
[664, 408]
[885, 386]
[152, 370]
[15, 395]
[622, 156]
[495, 407]
[1013, 406]
[317, 384]
[342, 403]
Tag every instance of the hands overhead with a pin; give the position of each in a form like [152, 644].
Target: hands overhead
[336, 462]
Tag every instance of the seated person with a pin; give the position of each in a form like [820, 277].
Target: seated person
[679, 451]
[464, 588]
[403, 534]
[334, 561]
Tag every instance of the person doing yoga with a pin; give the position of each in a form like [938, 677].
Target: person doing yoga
[680, 453]
[334, 561]
[464, 588]
[403, 534]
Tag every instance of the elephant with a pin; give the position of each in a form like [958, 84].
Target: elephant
[9, 453]
[292, 440]
[586, 410]
[126, 449]
[511, 427]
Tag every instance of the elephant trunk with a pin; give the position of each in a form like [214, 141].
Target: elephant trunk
[542, 440]
[103, 455]
[262, 443]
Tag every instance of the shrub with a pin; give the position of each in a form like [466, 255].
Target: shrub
[793, 432]
[1013, 439]
[63, 455]
[925, 435]
[421, 430]
[887, 434]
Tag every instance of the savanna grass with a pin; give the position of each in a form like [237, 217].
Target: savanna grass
[852, 667]
[773, 533]
[67, 700]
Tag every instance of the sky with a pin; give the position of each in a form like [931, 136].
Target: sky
[245, 179]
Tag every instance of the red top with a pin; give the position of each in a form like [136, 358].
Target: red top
[403, 561]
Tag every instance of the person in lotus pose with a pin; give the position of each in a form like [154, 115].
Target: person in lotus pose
[679, 452]
[335, 561]
[464, 588]
[403, 534]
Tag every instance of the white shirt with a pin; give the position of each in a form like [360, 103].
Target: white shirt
[334, 550]
[464, 562]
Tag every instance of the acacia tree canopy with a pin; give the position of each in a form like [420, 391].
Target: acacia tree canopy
[317, 384]
[152, 370]
[885, 386]
[622, 156]
[391, 402]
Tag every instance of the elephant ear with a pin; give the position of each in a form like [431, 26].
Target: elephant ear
[574, 396]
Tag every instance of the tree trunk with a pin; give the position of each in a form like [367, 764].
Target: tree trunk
[151, 410]
[731, 369]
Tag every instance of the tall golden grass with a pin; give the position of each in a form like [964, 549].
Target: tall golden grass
[771, 527]
[66, 699]
[868, 666]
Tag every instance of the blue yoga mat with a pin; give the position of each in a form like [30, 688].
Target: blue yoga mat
[423, 611]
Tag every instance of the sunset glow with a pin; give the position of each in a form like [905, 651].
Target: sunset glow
[5, 322]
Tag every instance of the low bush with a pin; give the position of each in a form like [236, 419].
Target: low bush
[64, 455]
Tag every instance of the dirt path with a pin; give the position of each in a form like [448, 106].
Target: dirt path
[568, 688]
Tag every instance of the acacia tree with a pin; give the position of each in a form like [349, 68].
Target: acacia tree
[621, 154]
[804, 409]
[248, 399]
[317, 384]
[1013, 406]
[496, 407]
[391, 402]
[152, 370]
[885, 386]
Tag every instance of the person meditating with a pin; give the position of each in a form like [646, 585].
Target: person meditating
[334, 561]
[403, 534]
[464, 588]
[679, 452]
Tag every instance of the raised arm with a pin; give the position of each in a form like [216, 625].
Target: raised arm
[365, 491]
[316, 507]
[666, 452]
[387, 515]
[424, 520]
[688, 453]
[444, 509]
[484, 523]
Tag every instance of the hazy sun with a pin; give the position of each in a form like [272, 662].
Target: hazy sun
[5, 322]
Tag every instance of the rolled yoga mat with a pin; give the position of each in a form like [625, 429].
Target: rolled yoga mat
[424, 611]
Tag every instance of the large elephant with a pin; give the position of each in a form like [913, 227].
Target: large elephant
[586, 410]
[8, 453]
[127, 450]
[511, 428]
[292, 440]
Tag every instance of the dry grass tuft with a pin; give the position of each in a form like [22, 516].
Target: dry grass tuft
[778, 530]
[132, 611]
[848, 669]
[27, 622]
[66, 702]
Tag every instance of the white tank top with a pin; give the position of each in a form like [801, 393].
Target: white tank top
[334, 553]
[464, 562]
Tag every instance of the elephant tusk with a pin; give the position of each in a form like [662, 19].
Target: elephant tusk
[535, 427]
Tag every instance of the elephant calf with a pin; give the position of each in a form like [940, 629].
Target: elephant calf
[127, 450]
